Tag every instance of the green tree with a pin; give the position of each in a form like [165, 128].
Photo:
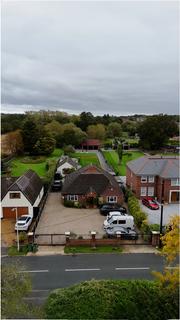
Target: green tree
[114, 130]
[72, 135]
[155, 131]
[120, 151]
[54, 128]
[30, 135]
[96, 131]
[86, 119]
[130, 127]
[44, 146]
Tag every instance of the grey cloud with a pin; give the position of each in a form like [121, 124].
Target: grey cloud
[115, 57]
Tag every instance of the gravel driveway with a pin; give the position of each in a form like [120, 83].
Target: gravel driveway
[168, 211]
[56, 218]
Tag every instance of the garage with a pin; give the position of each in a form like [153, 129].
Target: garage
[8, 213]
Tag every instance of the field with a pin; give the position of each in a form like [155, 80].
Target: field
[38, 164]
[113, 160]
[86, 158]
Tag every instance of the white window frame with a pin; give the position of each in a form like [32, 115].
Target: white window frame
[143, 179]
[175, 182]
[151, 191]
[151, 179]
[143, 191]
[72, 197]
[112, 201]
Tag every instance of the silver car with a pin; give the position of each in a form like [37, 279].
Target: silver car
[125, 233]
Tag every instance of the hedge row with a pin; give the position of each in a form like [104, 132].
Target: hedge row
[135, 210]
[113, 299]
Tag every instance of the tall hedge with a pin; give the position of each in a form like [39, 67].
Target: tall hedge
[135, 210]
[117, 299]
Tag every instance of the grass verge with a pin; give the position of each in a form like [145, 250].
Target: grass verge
[104, 249]
[12, 251]
[113, 160]
[86, 158]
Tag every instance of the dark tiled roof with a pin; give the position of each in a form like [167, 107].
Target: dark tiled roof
[82, 180]
[5, 185]
[165, 167]
[29, 184]
[69, 160]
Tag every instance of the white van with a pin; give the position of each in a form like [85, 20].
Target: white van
[125, 221]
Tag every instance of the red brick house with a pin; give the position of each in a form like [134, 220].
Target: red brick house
[91, 185]
[91, 144]
[154, 177]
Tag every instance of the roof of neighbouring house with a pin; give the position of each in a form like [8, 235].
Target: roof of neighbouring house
[66, 159]
[29, 184]
[91, 142]
[165, 167]
[89, 178]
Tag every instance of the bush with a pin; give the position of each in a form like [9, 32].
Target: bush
[69, 204]
[68, 150]
[135, 210]
[113, 299]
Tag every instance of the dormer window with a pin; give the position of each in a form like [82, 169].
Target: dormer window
[151, 179]
[143, 179]
[15, 195]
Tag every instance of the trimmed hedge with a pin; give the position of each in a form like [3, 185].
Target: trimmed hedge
[135, 210]
[113, 299]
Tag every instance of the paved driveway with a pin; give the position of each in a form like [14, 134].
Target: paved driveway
[56, 218]
[168, 211]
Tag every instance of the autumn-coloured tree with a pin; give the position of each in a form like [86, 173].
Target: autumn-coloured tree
[170, 276]
[14, 142]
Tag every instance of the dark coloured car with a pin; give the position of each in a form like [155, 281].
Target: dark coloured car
[56, 186]
[106, 208]
[150, 203]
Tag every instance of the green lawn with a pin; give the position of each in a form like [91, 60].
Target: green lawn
[112, 159]
[18, 167]
[86, 158]
[104, 249]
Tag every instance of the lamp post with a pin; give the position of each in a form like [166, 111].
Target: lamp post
[162, 207]
[15, 209]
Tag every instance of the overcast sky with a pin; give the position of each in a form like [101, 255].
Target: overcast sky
[116, 57]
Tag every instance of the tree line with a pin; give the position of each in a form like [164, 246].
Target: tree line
[40, 132]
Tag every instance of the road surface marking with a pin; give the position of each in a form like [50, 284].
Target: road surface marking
[40, 290]
[95, 269]
[143, 268]
[33, 271]
[34, 298]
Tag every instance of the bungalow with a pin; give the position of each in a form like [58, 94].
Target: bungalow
[91, 144]
[91, 185]
[23, 193]
[154, 177]
[65, 163]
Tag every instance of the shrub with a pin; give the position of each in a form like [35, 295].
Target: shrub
[68, 150]
[135, 210]
[68, 203]
[154, 227]
[113, 299]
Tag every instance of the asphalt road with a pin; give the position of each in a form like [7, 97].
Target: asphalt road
[51, 272]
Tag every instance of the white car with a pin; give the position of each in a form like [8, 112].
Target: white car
[23, 223]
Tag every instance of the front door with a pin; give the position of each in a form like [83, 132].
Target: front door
[174, 196]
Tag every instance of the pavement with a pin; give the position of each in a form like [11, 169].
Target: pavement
[59, 250]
